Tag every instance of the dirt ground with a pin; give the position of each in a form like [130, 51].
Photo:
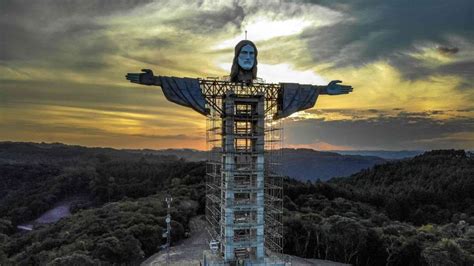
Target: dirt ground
[189, 251]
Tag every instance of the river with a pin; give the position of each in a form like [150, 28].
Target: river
[59, 211]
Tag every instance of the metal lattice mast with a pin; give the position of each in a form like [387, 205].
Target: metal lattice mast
[168, 200]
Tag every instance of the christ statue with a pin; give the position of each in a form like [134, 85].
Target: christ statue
[293, 97]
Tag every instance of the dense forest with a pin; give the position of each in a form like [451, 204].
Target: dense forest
[410, 212]
[120, 218]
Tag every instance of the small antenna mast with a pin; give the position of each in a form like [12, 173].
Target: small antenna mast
[245, 34]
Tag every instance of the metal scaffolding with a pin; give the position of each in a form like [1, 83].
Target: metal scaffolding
[244, 193]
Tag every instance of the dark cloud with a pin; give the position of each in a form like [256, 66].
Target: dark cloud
[154, 43]
[210, 21]
[447, 50]
[413, 69]
[463, 69]
[78, 36]
[419, 130]
[389, 30]
[58, 34]
[83, 102]
[355, 114]
[467, 110]
[66, 8]
[81, 50]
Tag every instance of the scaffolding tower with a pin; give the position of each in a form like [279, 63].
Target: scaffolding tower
[244, 193]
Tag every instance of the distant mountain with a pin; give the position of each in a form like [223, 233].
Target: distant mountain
[196, 155]
[389, 155]
[307, 164]
[14, 152]
[302, 164]
[191, 155]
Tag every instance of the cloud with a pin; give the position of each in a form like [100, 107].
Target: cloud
[31, 32]
[386, 130]
[390, 30]
[207, 20]
[74, 110]
[62, 67]
[447, 50]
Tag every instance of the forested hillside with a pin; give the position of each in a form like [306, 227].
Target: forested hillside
[307, 164]
[301, 164]
[120, 218]
[411, 212]
[435, 187]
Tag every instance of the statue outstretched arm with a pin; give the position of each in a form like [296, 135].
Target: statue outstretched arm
[333, 88]
[183, 91]
[294, 97]
[144, 78]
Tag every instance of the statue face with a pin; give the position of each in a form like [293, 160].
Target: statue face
[247, 57]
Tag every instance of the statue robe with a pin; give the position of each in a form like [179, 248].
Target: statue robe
[293, 97]
[184, 91]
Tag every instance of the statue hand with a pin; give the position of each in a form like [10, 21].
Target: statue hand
[145, 78]
[333, 88]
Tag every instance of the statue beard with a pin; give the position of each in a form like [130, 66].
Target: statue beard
[239, 74]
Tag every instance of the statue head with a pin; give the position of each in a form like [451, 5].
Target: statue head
[244, 66]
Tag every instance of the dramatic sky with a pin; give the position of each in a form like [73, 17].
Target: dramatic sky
[411, 63]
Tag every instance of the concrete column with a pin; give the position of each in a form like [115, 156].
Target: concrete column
[260, 178]
[229, 159]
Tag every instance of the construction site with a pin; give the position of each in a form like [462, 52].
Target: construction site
[244, 193]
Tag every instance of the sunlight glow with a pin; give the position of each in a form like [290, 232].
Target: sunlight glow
[265, 29]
